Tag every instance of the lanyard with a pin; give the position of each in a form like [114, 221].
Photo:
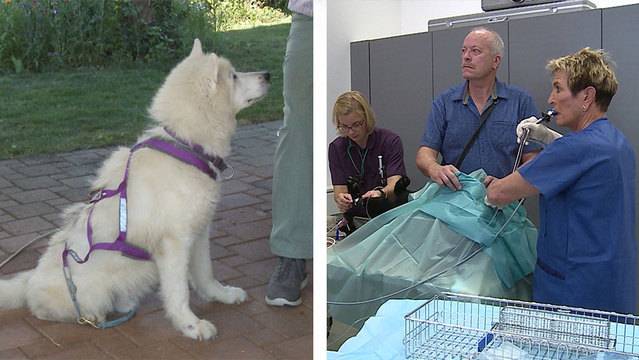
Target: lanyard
[360, 171]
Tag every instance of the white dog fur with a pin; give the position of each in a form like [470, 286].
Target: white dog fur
[171, 205]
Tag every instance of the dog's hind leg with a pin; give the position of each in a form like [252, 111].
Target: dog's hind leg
[172, 263]
[207, 287]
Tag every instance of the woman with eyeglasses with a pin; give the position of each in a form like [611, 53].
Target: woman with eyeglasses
[354, 156]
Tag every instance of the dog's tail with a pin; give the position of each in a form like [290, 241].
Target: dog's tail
[13, 291]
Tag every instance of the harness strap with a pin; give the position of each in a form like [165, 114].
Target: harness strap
[179, 153]
[192, 155]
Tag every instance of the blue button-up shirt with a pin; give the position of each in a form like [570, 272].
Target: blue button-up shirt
[454, 118]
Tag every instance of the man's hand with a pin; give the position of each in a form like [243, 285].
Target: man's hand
[445, 175]
[537, 132]
[344, 202]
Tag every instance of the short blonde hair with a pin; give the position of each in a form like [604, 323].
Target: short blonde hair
[585, 68]
[353, 102]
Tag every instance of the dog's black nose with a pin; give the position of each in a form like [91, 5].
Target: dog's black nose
[267, 76]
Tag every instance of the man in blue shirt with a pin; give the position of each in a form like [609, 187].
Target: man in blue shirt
[586, 250]
[456, 115]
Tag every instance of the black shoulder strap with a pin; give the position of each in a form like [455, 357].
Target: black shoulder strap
[482, 120]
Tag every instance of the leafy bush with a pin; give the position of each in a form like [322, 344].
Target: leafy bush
[38, 35]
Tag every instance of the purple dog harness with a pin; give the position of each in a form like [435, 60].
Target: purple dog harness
[193, 155]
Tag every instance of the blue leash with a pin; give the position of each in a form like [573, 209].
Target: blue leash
[83, 320]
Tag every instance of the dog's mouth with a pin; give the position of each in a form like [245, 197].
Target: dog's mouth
[256, 99]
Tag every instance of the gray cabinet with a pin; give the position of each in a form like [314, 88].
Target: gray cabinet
[360, 73]
[619, 29]
[534, 41]
[401, 90]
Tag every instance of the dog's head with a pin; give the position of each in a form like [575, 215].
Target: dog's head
[242, 89]
[204, 87]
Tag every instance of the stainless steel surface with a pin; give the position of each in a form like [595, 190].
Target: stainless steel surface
[453, 326]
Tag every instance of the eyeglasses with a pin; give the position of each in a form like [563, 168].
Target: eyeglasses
[356, 125]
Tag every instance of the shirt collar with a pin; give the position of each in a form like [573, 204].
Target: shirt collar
[370, 142]
[462, 94]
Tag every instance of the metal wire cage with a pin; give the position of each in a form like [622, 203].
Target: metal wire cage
[454, 326]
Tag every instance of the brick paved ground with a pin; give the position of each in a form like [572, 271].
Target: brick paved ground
[34, 190]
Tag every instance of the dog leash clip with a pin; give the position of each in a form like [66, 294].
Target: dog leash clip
[85, 321]
[227, 173]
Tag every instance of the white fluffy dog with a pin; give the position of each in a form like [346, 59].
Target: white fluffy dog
[170, 206]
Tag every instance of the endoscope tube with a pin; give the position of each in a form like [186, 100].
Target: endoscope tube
[545, 117]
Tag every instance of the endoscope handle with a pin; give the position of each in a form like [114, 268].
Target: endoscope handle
[546, 116]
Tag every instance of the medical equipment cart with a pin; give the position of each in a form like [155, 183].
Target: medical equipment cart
[455, 326]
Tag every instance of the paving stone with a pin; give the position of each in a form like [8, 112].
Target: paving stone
[264, 184]
[242, 215]
[81, 182]
[290, 323]
[25, 197]
[39, 170]
[85, 350]
[4, 218]
[14, 176]
[244, 282]
[233, 261]
[164, 350]
[67, 334]
[238, 200]
[69, 170]
[28, 210]
[149, 329]
[218, 252]
[6, 166]
[4, 183]
[254, 250]
[74, 195]
[55, 218]
[12, 354]
[260, 270]
[41, 347]
[25, 226]
[234, 186]
[228, 240]
[41, 159]
[38, 182]
[14, 243]
[112, 343]
[16, 333]
[7, 203]
[258, 191]
[223, 272]
[297, 348]
[83, 157]
[228, 349]
[251, 231]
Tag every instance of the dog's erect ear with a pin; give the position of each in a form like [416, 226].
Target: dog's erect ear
[214, 69]
[197, 48]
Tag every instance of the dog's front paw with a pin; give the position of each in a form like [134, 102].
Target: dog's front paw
[232, 295]
[201, 330]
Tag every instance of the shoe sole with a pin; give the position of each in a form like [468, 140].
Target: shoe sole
[285, 302]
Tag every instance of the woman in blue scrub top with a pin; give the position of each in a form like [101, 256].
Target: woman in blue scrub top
[586, 250]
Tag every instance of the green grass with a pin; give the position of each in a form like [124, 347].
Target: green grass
[89, 108]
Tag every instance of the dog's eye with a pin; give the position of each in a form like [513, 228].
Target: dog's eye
[234, 76]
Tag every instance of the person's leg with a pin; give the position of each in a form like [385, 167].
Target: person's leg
[292, 231]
